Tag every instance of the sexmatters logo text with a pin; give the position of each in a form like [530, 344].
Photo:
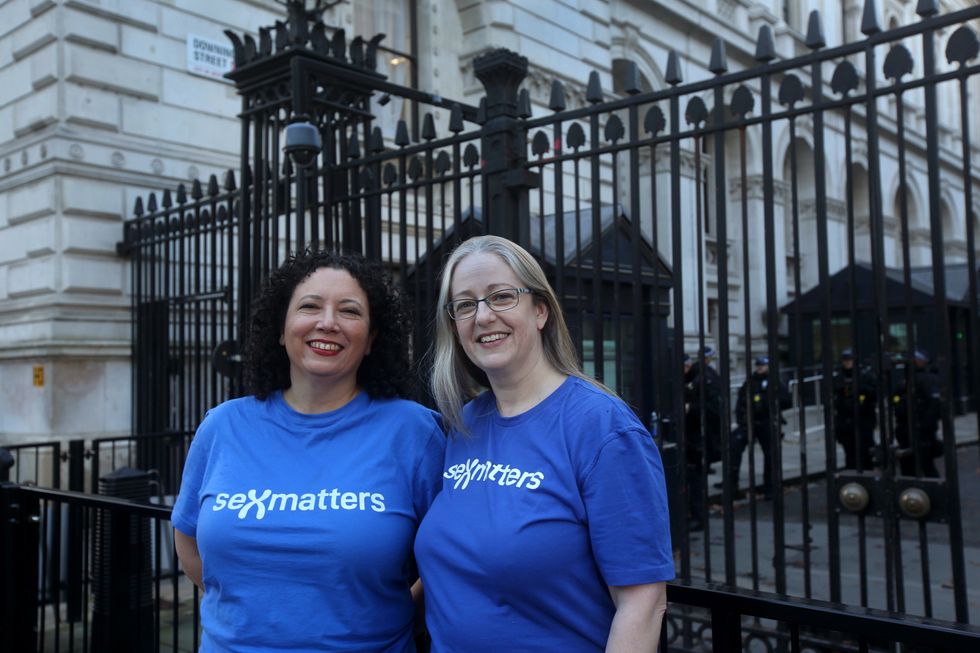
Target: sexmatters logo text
[489, 472]
[257, 503]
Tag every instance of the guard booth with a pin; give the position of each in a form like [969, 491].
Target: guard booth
[911, 322]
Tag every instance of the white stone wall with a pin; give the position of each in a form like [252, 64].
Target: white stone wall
[96, 107]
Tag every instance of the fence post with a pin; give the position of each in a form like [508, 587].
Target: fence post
[18, 568]
[504, 146]
[73, 552]
[726, 629]
[6, 462]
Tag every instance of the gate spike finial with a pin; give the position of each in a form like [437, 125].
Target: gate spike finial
[181, 194]
[719, 62]
[765, 49]
[673, 72]
[282, 36]
[927, 8]
[138, 207]
[631, 83]
[557, 101]
[265, 41]
[151, 203]
[213, 188]
[371, 53]
[869, 20]
[814, 32]
[593, 92]
[250, 48]
[456, 118]
[353, 146]
[524, 104]
[401, 134]
[237, 46]
[376, 144]
[357, 51]
[319, 41]
[428, 127]
[196, 191]
[339, 42]
[230, 180]
[167, 201]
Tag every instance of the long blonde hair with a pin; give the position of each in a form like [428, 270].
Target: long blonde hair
[455, 378]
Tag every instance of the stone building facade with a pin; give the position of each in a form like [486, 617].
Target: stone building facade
[100, 103]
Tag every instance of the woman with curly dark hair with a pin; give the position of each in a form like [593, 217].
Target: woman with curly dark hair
[300, 503]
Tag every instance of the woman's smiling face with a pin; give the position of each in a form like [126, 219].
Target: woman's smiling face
[500, 343]
[327, 329]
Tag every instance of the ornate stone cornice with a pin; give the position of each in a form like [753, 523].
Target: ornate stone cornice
[836, 209]
[688, 162]
[754, 189]
[920, 236]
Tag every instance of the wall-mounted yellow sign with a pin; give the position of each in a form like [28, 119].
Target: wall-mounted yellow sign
[39, 376]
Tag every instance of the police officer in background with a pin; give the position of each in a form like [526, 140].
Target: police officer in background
[704, 372]
[926, 409]
[854, 414]
[693, 468]
[702, 425]
[753, 402]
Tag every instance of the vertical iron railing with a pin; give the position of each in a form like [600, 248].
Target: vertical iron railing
[121, 593]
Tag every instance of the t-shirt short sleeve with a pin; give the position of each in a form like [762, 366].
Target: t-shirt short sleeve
[626, 507]
[428, 473]
[188, 504]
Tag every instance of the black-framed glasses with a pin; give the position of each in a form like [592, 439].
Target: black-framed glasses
[500, 300]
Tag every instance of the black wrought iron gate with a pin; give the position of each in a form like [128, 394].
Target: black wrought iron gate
[703, 214]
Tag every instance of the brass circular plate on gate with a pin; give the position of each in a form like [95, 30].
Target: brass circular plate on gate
[854, 497]
[914, 502]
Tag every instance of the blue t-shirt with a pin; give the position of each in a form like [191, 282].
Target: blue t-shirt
[538, 514]
[305, 523]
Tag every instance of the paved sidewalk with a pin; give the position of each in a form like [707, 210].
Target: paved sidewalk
[813, 495]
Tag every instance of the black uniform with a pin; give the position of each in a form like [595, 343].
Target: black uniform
[855, 435]
[711, 409]
[757, 394]
[692, 429]
[926, 410]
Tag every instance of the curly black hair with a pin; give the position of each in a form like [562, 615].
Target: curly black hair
[386, 372]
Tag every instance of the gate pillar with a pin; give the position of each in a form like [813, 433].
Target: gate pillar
[504, 147]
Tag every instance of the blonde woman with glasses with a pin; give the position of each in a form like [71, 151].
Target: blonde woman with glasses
[551, 530]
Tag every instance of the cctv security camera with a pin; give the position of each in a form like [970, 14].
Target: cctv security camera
[302, 143]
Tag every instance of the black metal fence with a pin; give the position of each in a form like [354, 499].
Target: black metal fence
[79, 464]
[719, 212]
[94, 573]
[91, 573]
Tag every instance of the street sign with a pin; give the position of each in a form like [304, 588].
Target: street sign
[209, 57]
